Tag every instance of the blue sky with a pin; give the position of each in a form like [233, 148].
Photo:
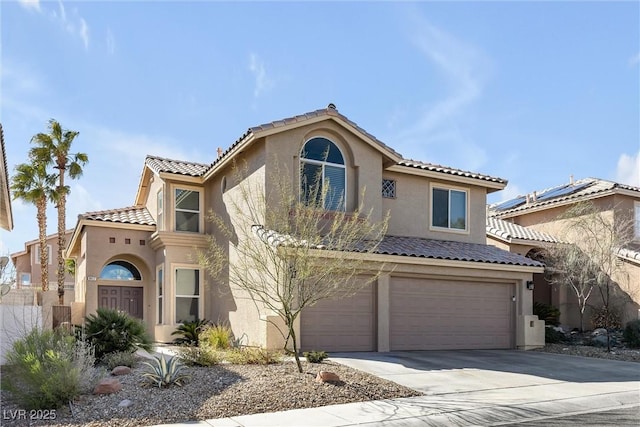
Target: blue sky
[528, 91]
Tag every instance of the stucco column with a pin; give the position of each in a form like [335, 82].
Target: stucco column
[383, 312]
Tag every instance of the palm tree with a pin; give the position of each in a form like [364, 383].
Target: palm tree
[54, 148]
[33, 184]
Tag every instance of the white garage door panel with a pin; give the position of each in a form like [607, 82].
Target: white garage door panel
[345, 324]
[439, 314]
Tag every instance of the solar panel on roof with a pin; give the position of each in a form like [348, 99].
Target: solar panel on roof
[561, 191]
[511, 203]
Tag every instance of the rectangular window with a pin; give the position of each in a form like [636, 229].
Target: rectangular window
[49, 252]
[449, 209]
[160, 296]
[389, 188]
[187, 210]
[160, 205]
[25, 279]
[332, 188]
[187, 294]
[636, 207]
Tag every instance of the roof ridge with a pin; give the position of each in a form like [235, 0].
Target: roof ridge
[153, 157]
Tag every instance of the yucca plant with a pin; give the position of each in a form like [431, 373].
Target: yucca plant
[190, 332]
[165, 372]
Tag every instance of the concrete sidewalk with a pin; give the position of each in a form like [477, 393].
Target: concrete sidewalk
[470, 388]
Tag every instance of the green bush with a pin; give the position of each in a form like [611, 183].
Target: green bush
[551, 336]
[48, 369]
[164, 373]
[315, 356]
[547, 312]
[253, 356]
[204, 355]
[217, 336]
[190, 332]
[113, 331]
[119, 358]
[631, 334]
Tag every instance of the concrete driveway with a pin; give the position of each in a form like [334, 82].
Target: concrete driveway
[492, 387]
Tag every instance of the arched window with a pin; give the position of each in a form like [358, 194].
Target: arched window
[322, 174]
[120, 270]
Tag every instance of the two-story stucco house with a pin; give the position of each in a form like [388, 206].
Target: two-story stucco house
[445, 287]
[527, 223]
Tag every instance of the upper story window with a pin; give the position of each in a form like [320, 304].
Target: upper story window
[49, 252]
[160, 210]
[323, 174]
[636, 210]
[25, 279]
[449, 208]
[120, 270]
[187, 213]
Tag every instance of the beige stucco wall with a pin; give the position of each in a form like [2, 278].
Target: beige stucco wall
[26, 262]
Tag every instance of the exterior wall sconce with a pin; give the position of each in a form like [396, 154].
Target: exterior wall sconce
[530, 285]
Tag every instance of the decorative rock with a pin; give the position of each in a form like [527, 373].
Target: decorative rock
[108, 386]
[599, 341]
[325, 376]
[599, 331]
[121, 370]
[125, 403]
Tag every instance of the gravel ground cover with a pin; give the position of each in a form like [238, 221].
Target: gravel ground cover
[219, 391]
[624, 354]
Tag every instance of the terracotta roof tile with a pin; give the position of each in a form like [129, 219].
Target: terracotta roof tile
[509, 231]
[450, 171]
[419, 248]
[129, 215]
[631, 253]
[159, 164]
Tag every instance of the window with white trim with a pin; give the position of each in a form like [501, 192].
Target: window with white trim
[636, 209]
[25, 279]
[322, 174]
[449, 208]
[187, 281]
[49, 252]
[160, 278]
[187, 210]
[160, 210]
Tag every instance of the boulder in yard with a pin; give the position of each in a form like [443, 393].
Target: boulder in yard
[108, 386]
[325, 376]
[121, 370]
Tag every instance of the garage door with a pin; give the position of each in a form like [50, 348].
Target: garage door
[344, 324]
[442, 314]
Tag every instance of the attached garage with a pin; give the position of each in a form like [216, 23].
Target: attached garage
[432, 314]
[343, 324]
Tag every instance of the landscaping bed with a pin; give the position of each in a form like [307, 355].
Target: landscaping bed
[218, 391]
[592, 344]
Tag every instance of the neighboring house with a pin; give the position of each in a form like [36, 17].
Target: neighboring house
[6, 216]
[526, 224]
[29, 273]
[444, 287]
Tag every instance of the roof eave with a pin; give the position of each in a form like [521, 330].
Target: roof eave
[491, 186]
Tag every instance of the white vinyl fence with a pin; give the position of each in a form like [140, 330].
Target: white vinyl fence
[17, 321]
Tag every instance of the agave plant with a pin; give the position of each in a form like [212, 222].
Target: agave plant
[190, 332]
[165, 372]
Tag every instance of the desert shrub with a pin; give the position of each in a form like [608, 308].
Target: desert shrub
[48, 369]
[551, 336]
[165, 372]
[600, 316]
[253, 356]
[113, 331]
[119, 358]
[205, 355]
[217, 336]
[631, 334]
[315, 356]
[547, 312]
[190, 332]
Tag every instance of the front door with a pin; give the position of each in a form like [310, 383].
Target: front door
[123, 298]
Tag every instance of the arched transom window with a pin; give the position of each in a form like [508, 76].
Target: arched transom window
[323, 174]
[120, 270]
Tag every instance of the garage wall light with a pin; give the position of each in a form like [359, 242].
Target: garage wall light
[530, 285]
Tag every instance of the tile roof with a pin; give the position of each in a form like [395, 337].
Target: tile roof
[159, 164]
[420, 248]
[450, 171]
[6, 214]
[631, 253]
[130, 215]
[579, 190]
[509, 231]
